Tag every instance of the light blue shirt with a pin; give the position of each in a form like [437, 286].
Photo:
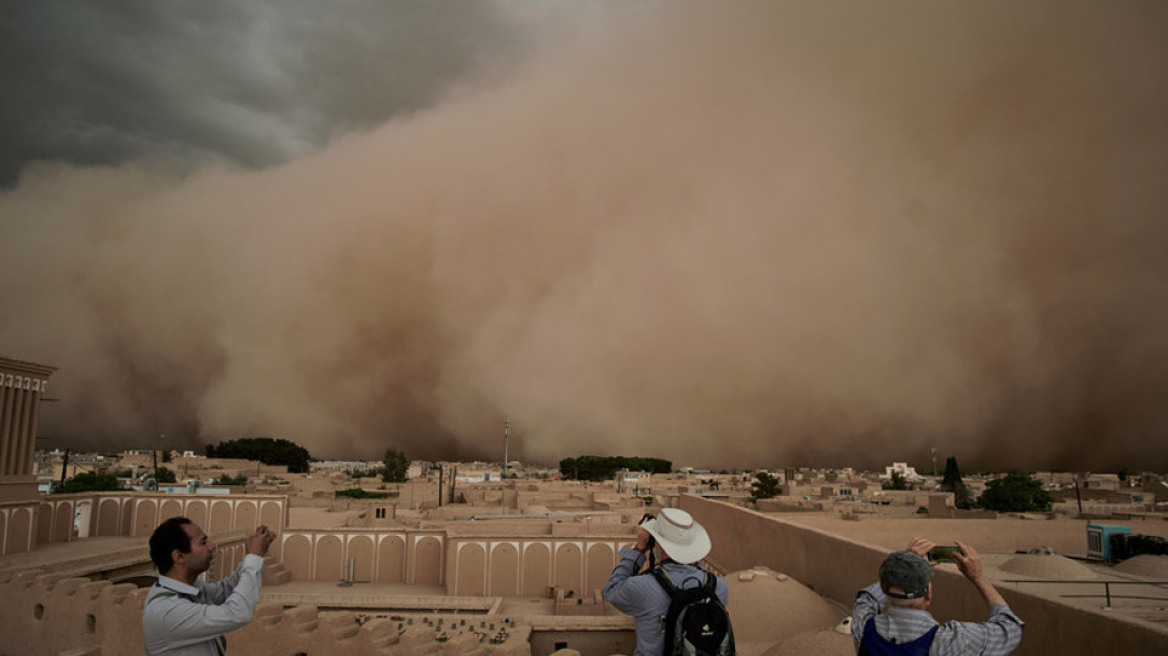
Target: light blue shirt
[185, 620]
[645, 599]
[997, 636]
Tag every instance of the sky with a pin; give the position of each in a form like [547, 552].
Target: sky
[740, 234]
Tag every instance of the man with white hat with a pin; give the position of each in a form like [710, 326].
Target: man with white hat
[906, 587]
[677, 543]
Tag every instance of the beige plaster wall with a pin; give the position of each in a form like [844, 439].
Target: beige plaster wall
[44, 615]
[836, 567]
[18, 523]
[383, 556]
[491, 565]
[49, 519]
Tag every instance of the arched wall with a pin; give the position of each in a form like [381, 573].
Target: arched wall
[598, 566]
[138, 514]
[427, 559]
[504, 571]
[328, 559]
[478, 566]
[569, 566]
[245, 516]
[108, 512]
[361, 553]
[537, 562]
[272, 516]
[470, 568]
[391, 559]
[197, 512]
[170, 508]
[220, 516]
[62, 522]
[44, 531]
[145, 517]
[298, 557]
[19, 530]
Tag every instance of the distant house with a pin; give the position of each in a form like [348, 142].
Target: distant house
[901, 468]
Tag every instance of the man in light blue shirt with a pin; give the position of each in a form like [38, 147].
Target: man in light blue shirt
[184, 616]
[906, 588]
[678, 543]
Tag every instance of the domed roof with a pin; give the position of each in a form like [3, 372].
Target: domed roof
[824, 642]
[1145, 565]
[1047, 566]
[768, 608]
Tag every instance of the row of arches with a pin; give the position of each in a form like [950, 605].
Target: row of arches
[213, 514]
[496, 567]
[529, 568]
[22, 527]
[377, 557]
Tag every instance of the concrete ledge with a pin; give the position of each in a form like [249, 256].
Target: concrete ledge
[837, 567]
[348, 599]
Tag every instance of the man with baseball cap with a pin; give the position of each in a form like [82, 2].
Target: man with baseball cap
[908, 627]
[677, 543]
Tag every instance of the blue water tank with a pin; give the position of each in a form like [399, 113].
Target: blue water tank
[1099, 539]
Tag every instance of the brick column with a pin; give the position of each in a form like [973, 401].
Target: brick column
[27, 446]
[8, 394]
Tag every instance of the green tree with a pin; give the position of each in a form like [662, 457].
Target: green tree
[166, 456]
[952, 483]
[165, 476]
[226, 479]
[1015, 493]
[765, 486]
[89, 482]
[896, 482]
[265, 450]
[1123, 474]
[602, 468]
[395, 466]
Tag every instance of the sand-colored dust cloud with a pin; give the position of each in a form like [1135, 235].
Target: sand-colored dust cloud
[726, 234]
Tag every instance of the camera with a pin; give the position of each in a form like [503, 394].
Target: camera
[943, 554]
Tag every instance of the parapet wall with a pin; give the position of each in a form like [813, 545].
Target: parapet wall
[529, 566]
[47, 615]
[466, 564]
[17, 526]
[836, 568]
[51, 518]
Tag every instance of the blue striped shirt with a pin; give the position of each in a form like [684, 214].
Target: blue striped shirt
[997, 636]
[645, 599]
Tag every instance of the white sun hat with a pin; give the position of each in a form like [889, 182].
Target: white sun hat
[683, 539]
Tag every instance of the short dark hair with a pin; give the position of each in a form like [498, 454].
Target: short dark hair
[169, 535]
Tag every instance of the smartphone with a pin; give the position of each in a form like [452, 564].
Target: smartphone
[943, 554]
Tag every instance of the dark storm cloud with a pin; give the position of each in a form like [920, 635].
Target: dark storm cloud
[247, 82]
[726, 234]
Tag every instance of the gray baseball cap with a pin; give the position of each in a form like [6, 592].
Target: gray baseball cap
[907, 572]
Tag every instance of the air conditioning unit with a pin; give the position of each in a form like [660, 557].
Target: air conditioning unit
[1099, 539]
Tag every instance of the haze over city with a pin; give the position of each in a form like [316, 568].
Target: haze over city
[728, 234]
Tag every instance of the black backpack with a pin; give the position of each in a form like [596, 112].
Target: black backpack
[697, 623]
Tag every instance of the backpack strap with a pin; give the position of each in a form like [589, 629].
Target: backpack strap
[710, 585]
[666, 582]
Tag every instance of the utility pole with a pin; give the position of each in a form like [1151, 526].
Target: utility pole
[506, 437]
[161, 437]
[64, 465]
[934, 450]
